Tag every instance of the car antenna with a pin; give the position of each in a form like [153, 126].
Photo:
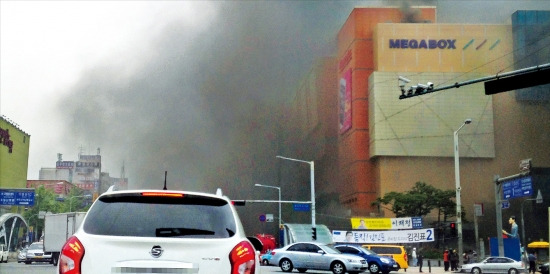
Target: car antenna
[165, 172]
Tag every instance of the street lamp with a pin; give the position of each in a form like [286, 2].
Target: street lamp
[37, 218]
[312, 181]
[457, 182]
[539, 201]
[279, 189]
[79, 196]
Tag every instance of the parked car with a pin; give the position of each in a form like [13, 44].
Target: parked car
[376, 262]
[35, 253]
[316, 256]
[494, 265]
[264, 259]
[543, 268]
[160, 231]
[4, 253]
[22, 255]
[397, 252]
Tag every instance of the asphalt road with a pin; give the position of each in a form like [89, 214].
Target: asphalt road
[45, 268]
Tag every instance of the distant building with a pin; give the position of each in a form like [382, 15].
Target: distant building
[60, 187]
[85, 173]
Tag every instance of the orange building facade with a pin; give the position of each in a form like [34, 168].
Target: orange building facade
[356, 49]
[367, 142]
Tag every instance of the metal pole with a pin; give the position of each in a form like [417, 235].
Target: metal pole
[458, 188]
[523, 224]
[279, 189]
[279, 208]
[312, 181]
[539, 200]
[498, 211]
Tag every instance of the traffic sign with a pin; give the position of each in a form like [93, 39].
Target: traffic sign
[17, 196]
[262, 218]
[269, 218]
[518, 187]
[505, 204]
[301, 207]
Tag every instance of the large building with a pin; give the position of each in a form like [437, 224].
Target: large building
[14, 161]
[367, 142]
[14, 154]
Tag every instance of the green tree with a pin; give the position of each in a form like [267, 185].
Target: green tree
[44, 201]
[419, 201]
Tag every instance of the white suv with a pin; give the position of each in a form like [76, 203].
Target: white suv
[152, 231]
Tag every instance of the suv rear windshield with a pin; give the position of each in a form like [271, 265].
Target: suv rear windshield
[386, 249]
[131, 214]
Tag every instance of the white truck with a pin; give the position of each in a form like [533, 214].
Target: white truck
[57, 229]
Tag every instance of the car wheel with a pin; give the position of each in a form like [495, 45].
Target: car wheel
[302, 270]
[265, 262]
[476, 270]
[338, 268]
[374, 268]
[29, 262]
[286, 265]
[513, 271]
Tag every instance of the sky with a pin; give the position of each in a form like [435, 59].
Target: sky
[194, 88]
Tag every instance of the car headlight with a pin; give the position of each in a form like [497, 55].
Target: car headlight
[385, 260]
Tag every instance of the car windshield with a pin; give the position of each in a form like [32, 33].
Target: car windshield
[36, 246]
[191, 216]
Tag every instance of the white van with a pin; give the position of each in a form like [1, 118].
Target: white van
[4, 253]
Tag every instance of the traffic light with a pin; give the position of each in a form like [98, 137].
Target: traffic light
[452, 226]
[314, 233]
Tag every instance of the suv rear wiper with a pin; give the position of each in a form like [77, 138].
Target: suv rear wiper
[181, 231]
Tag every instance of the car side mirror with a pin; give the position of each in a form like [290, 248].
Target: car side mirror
[321, 252]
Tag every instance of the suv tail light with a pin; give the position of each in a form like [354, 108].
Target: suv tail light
[405, 256]
[243, 258]
[71, 256]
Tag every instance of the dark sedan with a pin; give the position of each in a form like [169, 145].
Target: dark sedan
[376, 262]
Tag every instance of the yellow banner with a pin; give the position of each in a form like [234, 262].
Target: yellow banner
[371, 223]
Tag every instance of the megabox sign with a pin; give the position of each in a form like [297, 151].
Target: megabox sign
[422, 44]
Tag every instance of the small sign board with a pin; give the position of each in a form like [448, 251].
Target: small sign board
[301, 207]
[262, 218]
[269, 218]
[505, 204]
[478, 209]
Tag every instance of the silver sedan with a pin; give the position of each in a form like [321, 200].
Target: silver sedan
[495, 265]
[316, 256]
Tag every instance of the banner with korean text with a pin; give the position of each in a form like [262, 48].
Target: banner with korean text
[386, 223]
[384, 237]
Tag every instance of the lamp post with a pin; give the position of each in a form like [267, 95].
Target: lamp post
[457, 182]
[37, 217]
[71, 200]
[539, 201]
[312, 181]
[279, 189]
